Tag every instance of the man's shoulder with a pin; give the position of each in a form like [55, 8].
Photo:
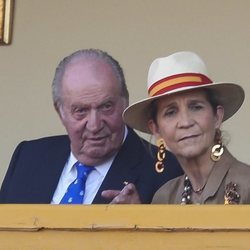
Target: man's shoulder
[137, 146]
[133, 137]
[42, 148]
[48, 142]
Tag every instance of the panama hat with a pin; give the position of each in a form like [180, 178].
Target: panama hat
[181, 71]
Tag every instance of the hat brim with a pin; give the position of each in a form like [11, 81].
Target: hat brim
[229, 95]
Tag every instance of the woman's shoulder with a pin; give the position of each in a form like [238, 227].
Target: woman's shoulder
[240, 168]
[236, 166]
[168, 192]
[239, 174]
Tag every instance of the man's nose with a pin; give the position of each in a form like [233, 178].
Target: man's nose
[94, 122]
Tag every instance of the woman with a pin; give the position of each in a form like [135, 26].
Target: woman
[186, 109]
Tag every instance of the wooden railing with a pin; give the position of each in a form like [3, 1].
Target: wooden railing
[125, 227]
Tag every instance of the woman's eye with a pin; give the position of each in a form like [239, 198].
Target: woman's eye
[170, 112]
[196, 107]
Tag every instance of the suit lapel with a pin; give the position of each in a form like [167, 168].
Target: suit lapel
[123, 168]
[51, 168]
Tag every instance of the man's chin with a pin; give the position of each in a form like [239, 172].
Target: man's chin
[94, 156]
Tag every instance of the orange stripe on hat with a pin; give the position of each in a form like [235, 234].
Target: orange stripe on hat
[177, 81]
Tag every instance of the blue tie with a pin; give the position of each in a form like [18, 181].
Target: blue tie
[76, 190]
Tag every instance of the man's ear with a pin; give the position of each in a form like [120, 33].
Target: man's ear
[59, 111]
[219, 116]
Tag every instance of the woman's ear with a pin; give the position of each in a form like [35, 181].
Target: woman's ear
[153, 128]
[219, 115]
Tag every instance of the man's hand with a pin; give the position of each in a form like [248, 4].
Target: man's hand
[128, 195]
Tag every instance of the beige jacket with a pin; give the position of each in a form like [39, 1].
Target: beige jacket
[226, 170]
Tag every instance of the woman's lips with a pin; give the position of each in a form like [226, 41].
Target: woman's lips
[188, 137]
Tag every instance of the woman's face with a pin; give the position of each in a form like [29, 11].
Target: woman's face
[187, 123]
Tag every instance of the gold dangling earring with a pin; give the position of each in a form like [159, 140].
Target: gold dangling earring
[218, 148]
[161, 154]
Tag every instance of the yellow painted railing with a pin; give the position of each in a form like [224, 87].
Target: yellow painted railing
[125, 227]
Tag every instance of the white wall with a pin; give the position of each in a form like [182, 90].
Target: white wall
[135, 32]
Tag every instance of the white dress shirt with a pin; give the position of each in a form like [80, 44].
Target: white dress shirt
[93, 182]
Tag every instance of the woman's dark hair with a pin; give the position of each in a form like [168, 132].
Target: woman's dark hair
[212, 99]
[153, 111]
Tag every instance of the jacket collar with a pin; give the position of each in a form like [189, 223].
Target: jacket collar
[217, 175]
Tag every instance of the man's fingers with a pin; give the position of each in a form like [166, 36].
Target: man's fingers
[128, 195]
[110, 194]
[128, 189]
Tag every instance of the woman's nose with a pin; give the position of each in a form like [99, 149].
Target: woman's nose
[185, 119]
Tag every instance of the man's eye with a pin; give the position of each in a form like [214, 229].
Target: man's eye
[79, 110]
[107, 107]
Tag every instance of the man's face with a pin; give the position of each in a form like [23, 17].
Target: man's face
[91, 110]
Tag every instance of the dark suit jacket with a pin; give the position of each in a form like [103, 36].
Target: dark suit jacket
[36, 166]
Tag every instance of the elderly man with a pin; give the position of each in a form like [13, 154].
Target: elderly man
[99, 156]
